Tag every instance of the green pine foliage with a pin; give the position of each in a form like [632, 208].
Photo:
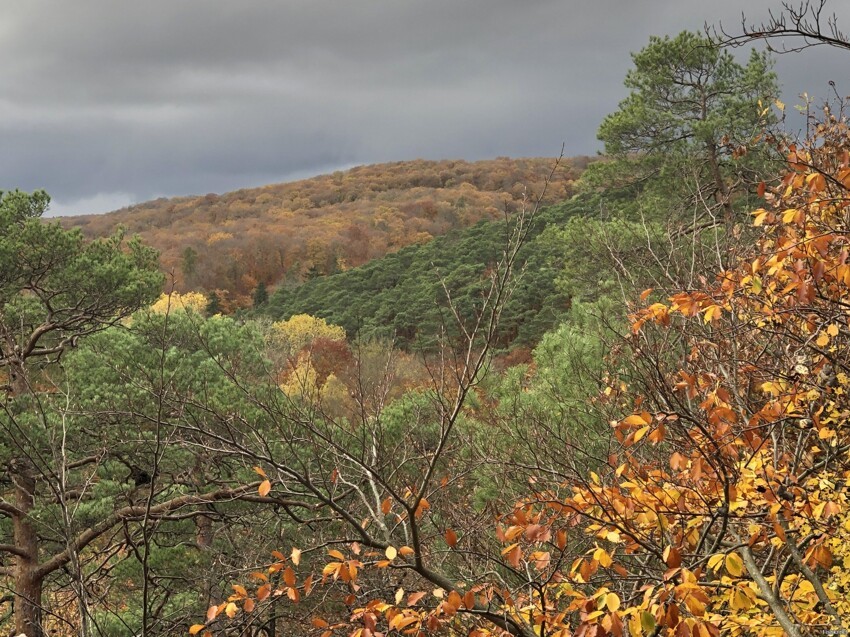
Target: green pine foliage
[400, 296]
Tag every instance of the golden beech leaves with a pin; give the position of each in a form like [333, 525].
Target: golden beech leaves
[720, 505]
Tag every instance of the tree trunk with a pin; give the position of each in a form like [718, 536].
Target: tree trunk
[28, 585]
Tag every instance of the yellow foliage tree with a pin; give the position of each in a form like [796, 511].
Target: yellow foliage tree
[301, 330]
[190, 301]
[302, 380]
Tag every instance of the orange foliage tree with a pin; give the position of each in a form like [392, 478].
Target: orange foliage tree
[281, 232]
[721, 506]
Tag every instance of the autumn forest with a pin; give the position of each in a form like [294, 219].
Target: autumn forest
[545, 397]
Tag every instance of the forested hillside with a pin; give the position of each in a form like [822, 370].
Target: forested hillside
[401, 296]
[286, 233]
[626, 413]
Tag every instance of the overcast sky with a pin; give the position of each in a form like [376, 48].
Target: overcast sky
[105, 103]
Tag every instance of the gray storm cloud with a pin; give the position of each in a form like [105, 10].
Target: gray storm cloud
[103, 103]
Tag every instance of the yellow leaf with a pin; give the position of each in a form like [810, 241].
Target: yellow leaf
[296, 556]
[760, 216]
[612, 602]
[738, 600]
[603, 557]
[635, 420]
[336, 554]
[391, 553]
[231, 609]
[715, 561]
[399, 595]
[780, 105]
[832, 330]
[640, 433]
[734, 565]
[823, 340]
[712, 312]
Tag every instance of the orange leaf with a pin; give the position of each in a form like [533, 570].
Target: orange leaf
[451, 538]
[318, 622]
[415, 597]
[469, 599]
[264, 488]
[424, 505]
[561, 539]
[195, 629]
[248, 606]
[240, 590]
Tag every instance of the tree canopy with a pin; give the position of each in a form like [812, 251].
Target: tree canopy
[625, 414]
[687, 130]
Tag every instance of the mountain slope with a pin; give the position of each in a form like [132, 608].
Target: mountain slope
[288, 233]
[400, 296]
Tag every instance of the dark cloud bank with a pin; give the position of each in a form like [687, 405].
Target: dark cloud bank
[105, 103]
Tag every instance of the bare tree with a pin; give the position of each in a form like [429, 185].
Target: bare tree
[794, 27]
